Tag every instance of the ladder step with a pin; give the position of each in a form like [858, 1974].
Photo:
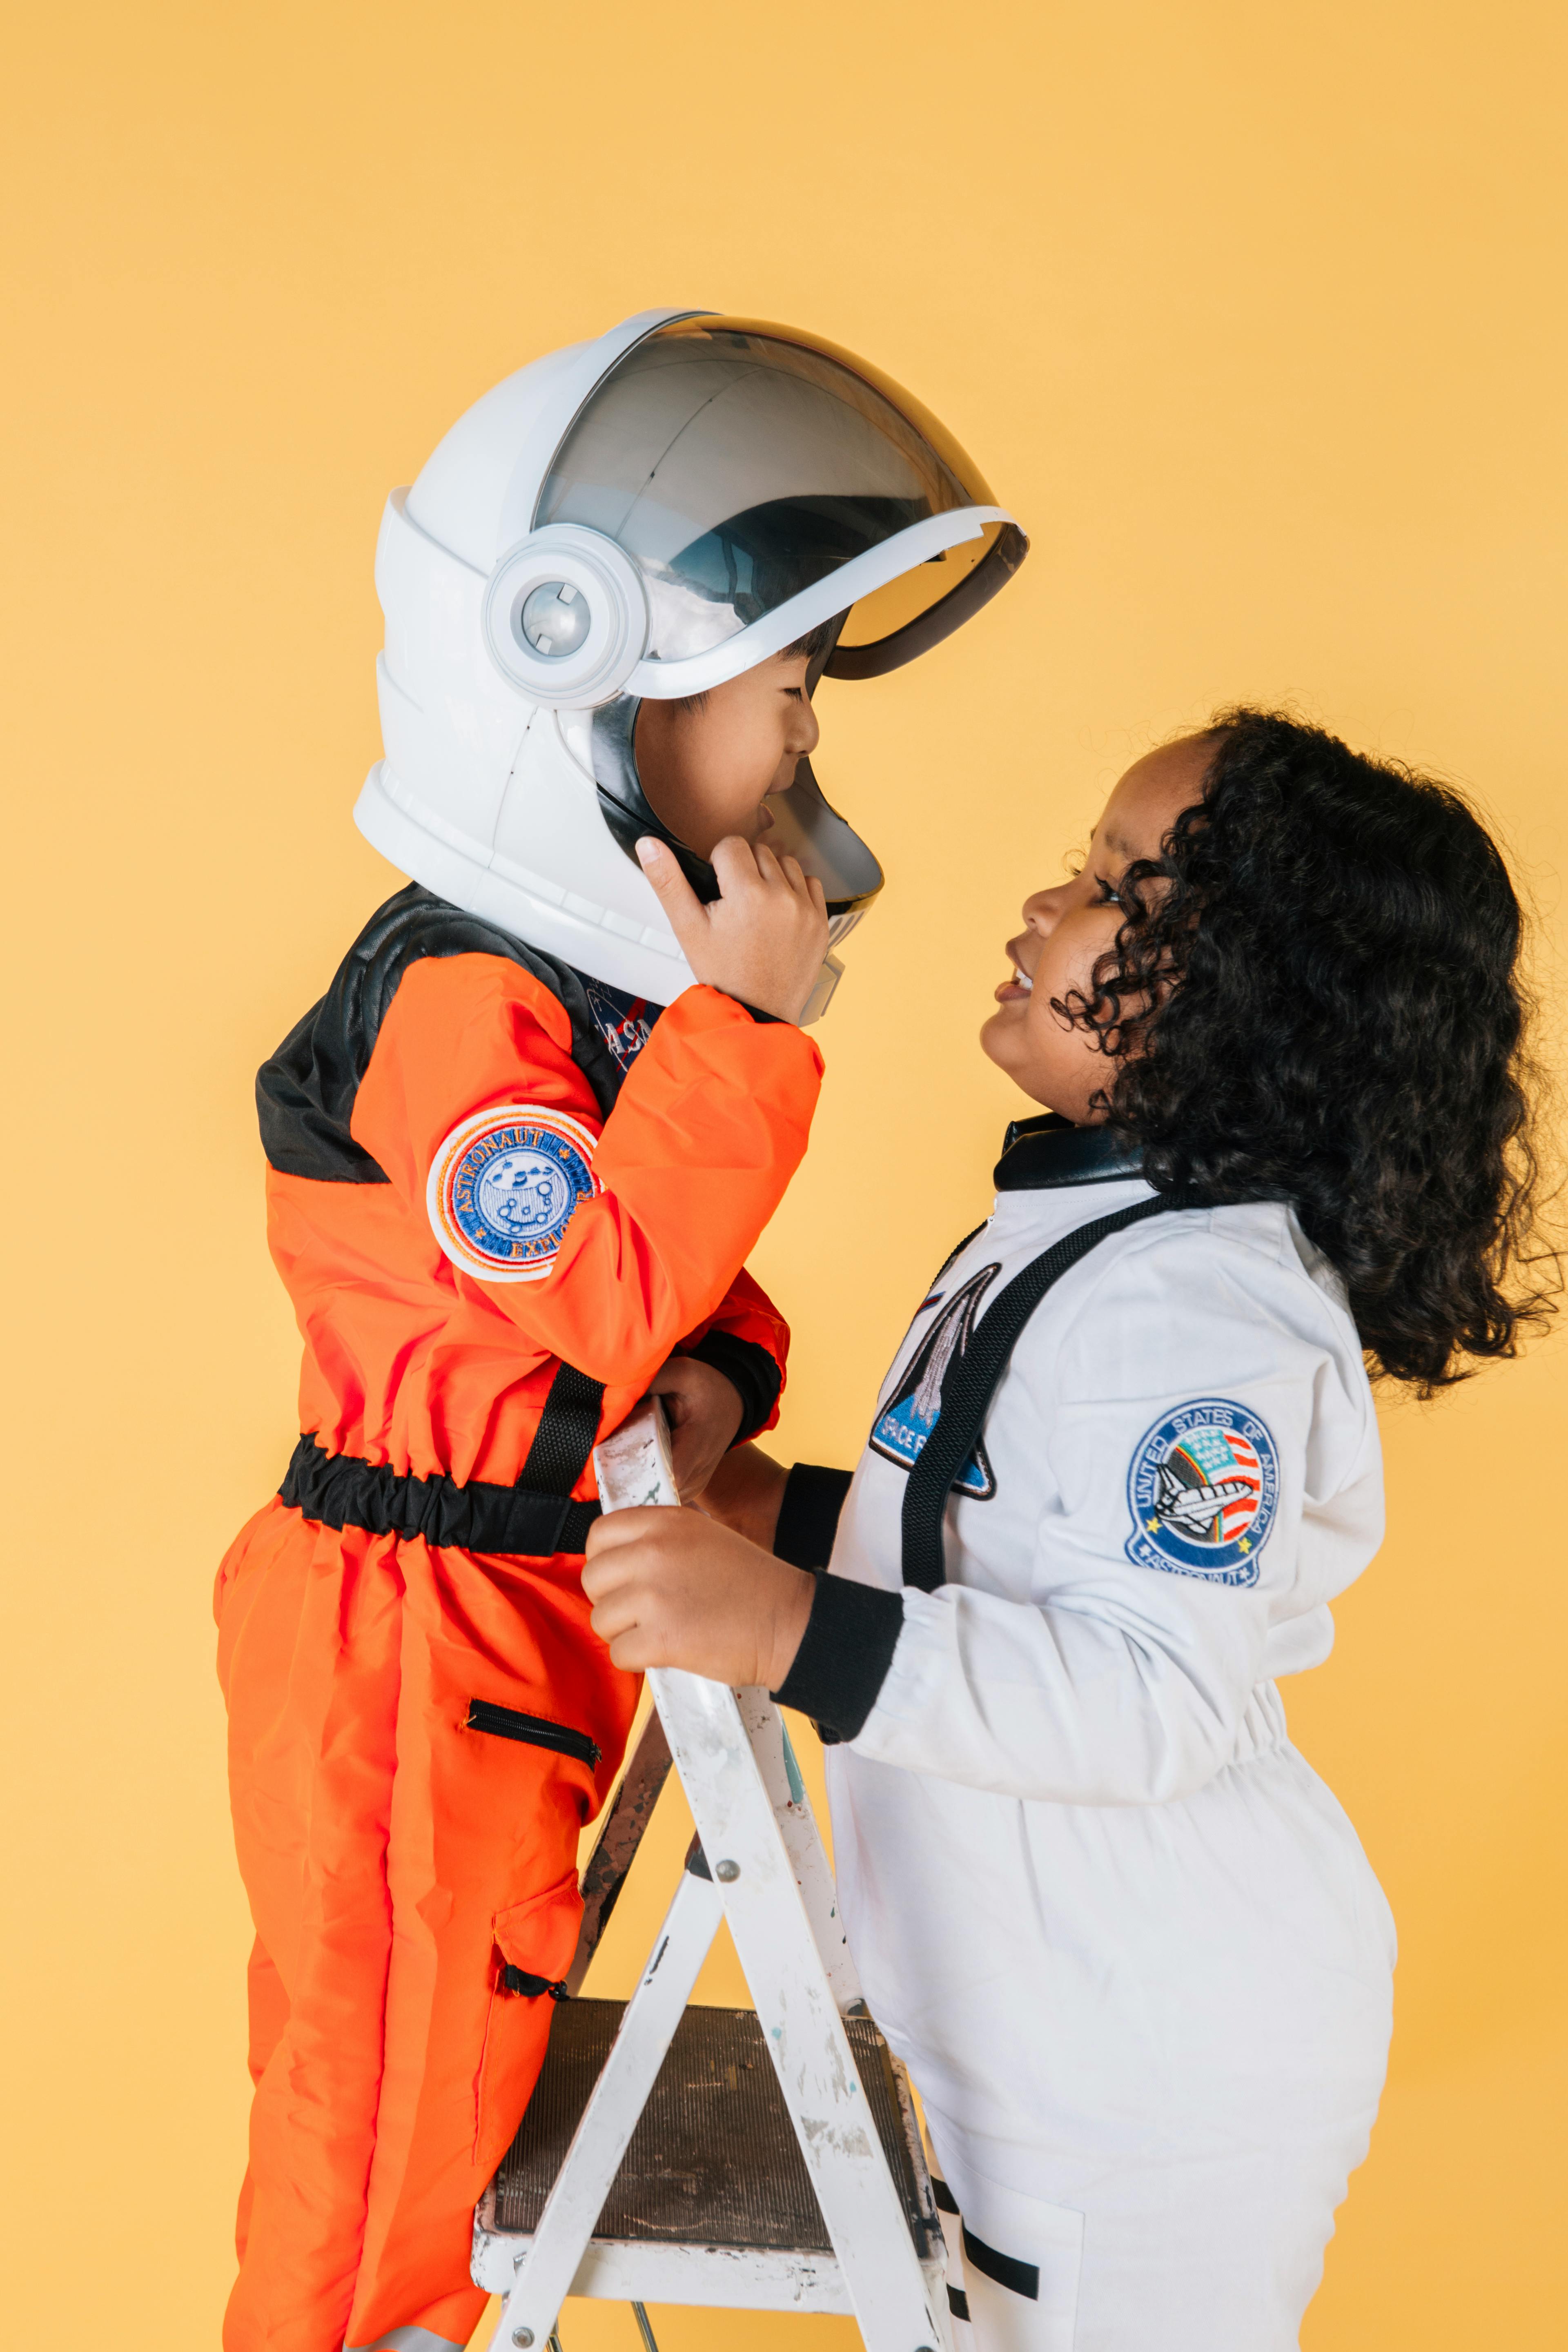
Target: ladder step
[714, 2160]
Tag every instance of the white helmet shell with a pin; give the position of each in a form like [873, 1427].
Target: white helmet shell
[648, 515]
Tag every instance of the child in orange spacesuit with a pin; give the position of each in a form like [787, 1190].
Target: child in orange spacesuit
[421, 1721]
[517, 1155]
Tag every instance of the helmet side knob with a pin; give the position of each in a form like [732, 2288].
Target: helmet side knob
[565, 616]
[554, 619]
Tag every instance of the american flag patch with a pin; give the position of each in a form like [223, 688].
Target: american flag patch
[1202, 1489]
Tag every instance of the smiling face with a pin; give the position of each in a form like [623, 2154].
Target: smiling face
[1068, 929]
[707, 767]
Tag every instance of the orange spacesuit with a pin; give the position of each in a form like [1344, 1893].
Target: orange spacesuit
[497, 1211]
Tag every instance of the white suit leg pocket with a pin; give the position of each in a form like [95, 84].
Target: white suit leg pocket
[1021, 2259]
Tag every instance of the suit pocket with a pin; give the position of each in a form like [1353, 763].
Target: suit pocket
[534, 1941]
[532, 1731]
[1021, 2283]
[538, 1937]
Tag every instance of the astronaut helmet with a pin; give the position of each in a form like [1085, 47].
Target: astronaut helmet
[646, 517]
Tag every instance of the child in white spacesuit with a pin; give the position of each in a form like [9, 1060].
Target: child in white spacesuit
[1124, 1937]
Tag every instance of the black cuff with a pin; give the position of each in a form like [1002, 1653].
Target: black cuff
[808, 1514]
[843, 1654]
[764, 1017]
[750, 1372]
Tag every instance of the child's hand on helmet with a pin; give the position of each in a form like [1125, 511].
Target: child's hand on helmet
[703, 1410]
[762, 939]
[673, 1589]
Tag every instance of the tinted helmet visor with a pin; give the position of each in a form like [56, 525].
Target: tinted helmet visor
[741, 468]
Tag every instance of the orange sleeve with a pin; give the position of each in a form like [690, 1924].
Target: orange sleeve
[747, 1313]
[709, 1127]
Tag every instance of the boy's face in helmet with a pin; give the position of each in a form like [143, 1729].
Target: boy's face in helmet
[707, 766]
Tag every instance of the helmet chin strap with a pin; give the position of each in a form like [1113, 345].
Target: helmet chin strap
[625, 806]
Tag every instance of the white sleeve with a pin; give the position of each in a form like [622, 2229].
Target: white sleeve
[1124, 1679]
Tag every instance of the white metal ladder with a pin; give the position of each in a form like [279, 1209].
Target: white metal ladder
[758, 1862]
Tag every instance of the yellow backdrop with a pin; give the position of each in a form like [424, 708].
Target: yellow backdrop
[1254, 314]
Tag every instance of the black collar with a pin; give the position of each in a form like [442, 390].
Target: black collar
[1039, 1154]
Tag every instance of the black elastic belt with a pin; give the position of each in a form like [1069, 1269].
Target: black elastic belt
[341, 1491]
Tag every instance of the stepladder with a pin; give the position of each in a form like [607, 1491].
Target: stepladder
[765, 2158]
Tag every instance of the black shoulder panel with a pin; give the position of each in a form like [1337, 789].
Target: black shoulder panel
[305, 1094]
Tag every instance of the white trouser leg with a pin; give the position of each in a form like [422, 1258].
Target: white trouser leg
[951, 2239]
[1208, 2252]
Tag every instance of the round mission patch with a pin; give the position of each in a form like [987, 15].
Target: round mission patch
[502, 1186]
[1202, 1489]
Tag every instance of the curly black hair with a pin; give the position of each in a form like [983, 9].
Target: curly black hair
[1314, 997]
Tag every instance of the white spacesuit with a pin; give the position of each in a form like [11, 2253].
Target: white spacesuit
[1126, 1940]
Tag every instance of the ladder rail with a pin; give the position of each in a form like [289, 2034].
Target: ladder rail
[544, 2278]
[772, 1883]
[895, 2300]
[614, 1849]
[769, 1735]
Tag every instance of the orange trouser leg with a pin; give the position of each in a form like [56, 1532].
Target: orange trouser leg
[309, 1654]
[269, 2006]
[395, 1861]
[482, 1870]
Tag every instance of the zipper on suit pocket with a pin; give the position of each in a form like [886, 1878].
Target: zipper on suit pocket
[532, 1730]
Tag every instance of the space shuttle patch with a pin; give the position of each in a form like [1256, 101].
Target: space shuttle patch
[907, 1420]
[1204, 1490]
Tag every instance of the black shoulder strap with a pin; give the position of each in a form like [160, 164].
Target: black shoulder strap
[972, 1377]
[305, 1094]
[567, 1428]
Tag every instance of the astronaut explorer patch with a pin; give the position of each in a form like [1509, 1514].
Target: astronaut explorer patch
[1203, 1490]
[502, 1186]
